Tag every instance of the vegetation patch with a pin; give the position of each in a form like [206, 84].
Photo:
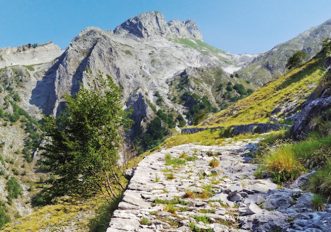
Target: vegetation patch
[13, 188]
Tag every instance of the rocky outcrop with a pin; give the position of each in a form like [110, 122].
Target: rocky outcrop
[153, 24]
[315, 114]
[256, 128]
[178, 190]
[29, 54]
[304, 124]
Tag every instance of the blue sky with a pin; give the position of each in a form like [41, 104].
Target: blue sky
[239, 26]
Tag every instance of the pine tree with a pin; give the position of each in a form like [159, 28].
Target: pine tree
[81, 148]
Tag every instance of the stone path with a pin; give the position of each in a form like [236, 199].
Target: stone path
[211, 188]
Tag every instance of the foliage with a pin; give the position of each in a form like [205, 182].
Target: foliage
[198, 107]
[81, 148]
[93, 215]
[318, 202]
[153, 136]
[145, 221]
[13, 188]
[173, 161]
[292, 88]
[4, 218]
[100, 222]
[214, 163]
[282, 164]
[296, 59]
[320, 182]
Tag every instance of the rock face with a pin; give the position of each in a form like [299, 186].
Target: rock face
[29, 54]
[153, 24]
[315, 111]
[155, 62]
[271, 64]
[178, 190]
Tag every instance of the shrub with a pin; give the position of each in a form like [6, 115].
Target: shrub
[4, 218]
[282, 164]
[170, 208]
[214, 163]
[145, 221]
[318, 202]
[296, 59]
[203, 219]
[14, 189]
[81, 145]
[320, 182]
[173, 161]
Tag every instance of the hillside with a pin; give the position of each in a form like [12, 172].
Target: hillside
[278, 101]
[271, 64]
[218, 142]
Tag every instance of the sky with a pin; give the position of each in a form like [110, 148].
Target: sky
[237, 26]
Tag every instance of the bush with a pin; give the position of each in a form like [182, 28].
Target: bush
[282, 164]
[318, 202]
[81, 145]
[214, 163]
[14, 189]
[320, 182]
[296, 59]
[4, 218]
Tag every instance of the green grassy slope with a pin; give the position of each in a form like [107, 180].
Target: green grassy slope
[291, 89]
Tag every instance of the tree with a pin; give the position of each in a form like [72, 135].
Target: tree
[326, 47]
[81, 147]
[296, 59]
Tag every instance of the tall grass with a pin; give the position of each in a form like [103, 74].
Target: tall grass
[288, 161]
[282, 164]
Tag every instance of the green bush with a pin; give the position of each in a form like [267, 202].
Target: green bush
[320, 181]
[282, 164]
[318, 202]
[14, 189]
[296, 59]
[4, 218]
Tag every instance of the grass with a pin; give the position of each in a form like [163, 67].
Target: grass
[206, 192]
[173, 161]
[4, 218]
[282, 164]
[289, 160]
[293, 87]
[199, 45]
[203, 219]
[195, 228]
[145, 221]
[320, 182]
[214, 163]
[170, 208]
[174, 201]
[206, 137]
[318, 202]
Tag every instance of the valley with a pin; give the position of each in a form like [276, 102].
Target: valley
[167, 132]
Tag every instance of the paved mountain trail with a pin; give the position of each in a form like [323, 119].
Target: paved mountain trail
[211, 188]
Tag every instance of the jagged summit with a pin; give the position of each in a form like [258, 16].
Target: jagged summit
[154, 24]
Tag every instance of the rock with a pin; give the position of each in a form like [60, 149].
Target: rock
[249, 209]
[129, 173]
[235, 197]
[153, 24]
[281, 199]
[301, 180]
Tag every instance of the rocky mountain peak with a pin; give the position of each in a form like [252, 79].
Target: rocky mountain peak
[154, 24]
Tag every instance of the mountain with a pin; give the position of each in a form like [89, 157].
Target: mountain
[164, 69]
[169, 78]
[271, 64]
